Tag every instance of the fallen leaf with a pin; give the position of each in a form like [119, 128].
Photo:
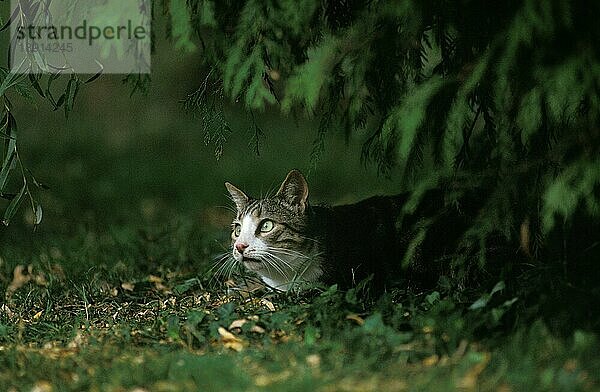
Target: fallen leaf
[226, 335]
[237, 324]
[355, 317]
[469, 380]
[154, 279]
[235, 346]
[525, 237]
[263, 380]
[257, 329]
[40, 279]
[7, 310]
[57, 271]
[268, 304]
[19, 279]
[127, 286]
[230, 283]
[570, 365]
[229, 340]
[38, 315]
[430, 361]
[42, 386]
[77, 341]
[313, 360]
[161, 287]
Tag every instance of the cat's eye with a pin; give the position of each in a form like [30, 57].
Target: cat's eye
[237, 230]
[266, 226]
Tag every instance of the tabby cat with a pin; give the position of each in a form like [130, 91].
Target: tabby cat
[285, 240]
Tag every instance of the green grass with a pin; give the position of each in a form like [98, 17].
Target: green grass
[134, 308]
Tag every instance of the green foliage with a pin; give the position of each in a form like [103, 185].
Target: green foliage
[11, 161]
[25, 82]
[182, 29]
[120, 323]
[577, 183]
[306, 85]
[497, 100]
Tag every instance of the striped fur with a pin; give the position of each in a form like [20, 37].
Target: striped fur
[286, 254]
[286, 241]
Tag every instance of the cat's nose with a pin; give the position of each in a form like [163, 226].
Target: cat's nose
[240, 246]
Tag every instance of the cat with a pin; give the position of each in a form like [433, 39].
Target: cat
[286, 241]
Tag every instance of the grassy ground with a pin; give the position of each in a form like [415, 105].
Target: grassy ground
[132, 308]
[112, 291]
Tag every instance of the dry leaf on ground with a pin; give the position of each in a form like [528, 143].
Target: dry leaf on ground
[268, 304]
[237, 324]
[356, 318]
[229, 340]
[19, 279]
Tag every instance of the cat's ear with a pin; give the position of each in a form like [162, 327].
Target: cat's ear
[294, 189]
[239, 198]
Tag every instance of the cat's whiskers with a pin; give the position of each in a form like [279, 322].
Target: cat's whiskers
[271, 191]
[309, 262]
[288, 252]
[224, 266]
[305, 263]
[229, 208]
[308, 239]
[278, 253]
[266, 263]
[277, 248]
[218, 262]
[270, 259]
[282, 261]
[302, 268]
[226, 269]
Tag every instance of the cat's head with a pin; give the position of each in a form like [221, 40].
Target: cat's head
[268, 235]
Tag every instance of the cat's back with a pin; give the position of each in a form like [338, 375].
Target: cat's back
[374, 217]
[372, 237]
[359, 239]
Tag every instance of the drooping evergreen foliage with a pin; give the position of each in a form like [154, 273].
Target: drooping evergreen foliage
[496, 102]
[28, 78]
